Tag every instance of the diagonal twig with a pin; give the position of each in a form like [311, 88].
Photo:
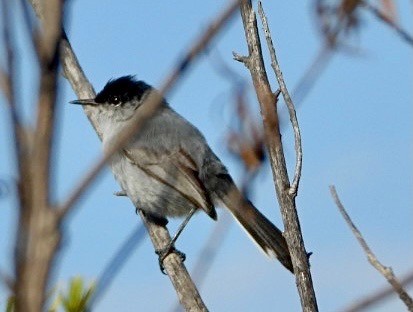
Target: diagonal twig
[7, 83]
[115, 264]
[288, 101]
[379, 14]
[387, 272]
[378, 296]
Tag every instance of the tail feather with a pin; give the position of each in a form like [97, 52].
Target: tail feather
[265, 234]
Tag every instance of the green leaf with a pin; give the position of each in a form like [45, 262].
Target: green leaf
[11, 302]
[77, 297]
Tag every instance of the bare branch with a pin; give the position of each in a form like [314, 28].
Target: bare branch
[38, 234]
[116, 263]
[288, 102]
[312, 73]
[241, 58]
[49, 60]
[7, 81]
[387, 272]
[30, 26]
[185, 288]
[377, 296]
[267, 102]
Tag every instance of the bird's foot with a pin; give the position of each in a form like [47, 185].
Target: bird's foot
[164, 252]
[120, 193]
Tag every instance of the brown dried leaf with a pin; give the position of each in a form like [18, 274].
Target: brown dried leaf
[389, 11]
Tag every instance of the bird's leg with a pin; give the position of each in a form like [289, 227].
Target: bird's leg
[164, 252]
[158, 220]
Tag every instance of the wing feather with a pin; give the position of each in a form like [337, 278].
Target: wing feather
[177, 170]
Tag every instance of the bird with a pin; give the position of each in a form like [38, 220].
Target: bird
[168, 170]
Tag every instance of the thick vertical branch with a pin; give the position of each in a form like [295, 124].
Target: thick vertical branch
[267, 100]
[38, 234]
[18, 132]
[49, 63]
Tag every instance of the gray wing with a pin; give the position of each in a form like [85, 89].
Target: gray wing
[177, 170]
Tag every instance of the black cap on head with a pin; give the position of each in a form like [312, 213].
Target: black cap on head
[122, 90]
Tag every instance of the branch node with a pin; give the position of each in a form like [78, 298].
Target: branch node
[241, 58]
[293, 190]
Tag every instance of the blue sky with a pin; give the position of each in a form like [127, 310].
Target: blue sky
[356, 129]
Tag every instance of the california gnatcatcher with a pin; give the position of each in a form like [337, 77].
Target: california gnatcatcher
[168, 168]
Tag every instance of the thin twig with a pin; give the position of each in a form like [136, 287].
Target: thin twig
[267, 99]
[377, 296]
[387, 272]
[8, 83]
[326, 52]
[392, 24]
[312, 73]
[30, 26]
[288, 101]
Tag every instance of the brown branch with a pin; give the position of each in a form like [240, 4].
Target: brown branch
[49, 61]
[325, 54]
[188, 294]
[8, 87]
[387, 272]
[38, 233]
[266, 98]
[377, 296]
[288, 102]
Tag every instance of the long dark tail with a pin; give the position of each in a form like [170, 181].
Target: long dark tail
[268, 237]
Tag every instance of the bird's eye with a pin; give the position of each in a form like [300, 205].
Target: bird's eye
[114, 100]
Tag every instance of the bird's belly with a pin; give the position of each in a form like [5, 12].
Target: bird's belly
[148, 193]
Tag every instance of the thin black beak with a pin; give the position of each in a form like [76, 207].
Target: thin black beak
[84, 102]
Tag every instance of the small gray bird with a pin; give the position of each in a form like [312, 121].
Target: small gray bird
[168, 168]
